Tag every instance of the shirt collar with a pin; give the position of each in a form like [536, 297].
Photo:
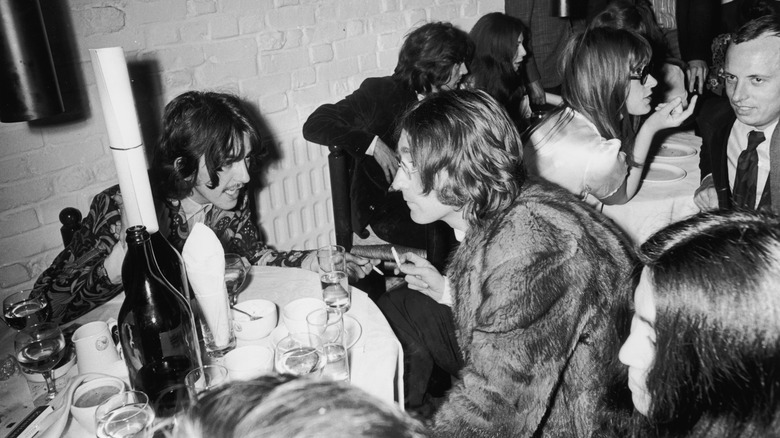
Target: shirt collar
[190, 208]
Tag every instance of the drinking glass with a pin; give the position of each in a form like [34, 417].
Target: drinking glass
[205, 378]
[24, 308]
[300, 354]
[236, 269]
[328, 324]
[125, 415]
[333, 277]
[38, 348]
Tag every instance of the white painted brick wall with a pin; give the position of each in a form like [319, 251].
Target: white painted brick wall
[286, 57]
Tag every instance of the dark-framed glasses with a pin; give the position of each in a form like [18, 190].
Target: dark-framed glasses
[642, 75]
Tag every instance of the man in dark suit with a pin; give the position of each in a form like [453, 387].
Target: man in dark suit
[736, 154]
[432, 58]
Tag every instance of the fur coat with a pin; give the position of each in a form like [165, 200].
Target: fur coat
[535, 293]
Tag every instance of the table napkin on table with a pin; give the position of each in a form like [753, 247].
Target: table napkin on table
[204, 260]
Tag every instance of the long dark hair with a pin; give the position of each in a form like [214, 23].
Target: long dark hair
[597, 66]
[715, 279]
[495, 43]
[201, 124]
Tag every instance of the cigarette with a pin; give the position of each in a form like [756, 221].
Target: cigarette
[395, 256]
[376, 270]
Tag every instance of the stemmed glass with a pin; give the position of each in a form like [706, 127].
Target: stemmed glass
[38, 348]
[236, 269]
[124, 415]
[25, 308]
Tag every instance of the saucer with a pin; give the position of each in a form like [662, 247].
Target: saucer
[352, 328]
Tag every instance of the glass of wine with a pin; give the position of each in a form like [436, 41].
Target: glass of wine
[300, 354]
[24, 308]
[38, 348]
[124, 415]
[236, 269]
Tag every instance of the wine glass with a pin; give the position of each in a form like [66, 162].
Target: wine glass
[38, 348]
[236, 268]
[24, 308]
[124, 415]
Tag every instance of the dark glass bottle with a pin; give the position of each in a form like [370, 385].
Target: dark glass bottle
[155, 325]
[171, 264]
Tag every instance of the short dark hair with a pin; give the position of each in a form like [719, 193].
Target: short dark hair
[274, 406]
[428, 55]
[201, 124]
[467, 136]
[753, 29]
[715, 278]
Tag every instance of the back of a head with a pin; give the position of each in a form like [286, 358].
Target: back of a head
[715, 279]
[282, 406]
[428, 55]
[468, 136]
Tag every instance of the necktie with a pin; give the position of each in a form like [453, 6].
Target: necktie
[746, 178]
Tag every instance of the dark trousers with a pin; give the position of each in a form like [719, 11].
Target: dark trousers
[426, 330]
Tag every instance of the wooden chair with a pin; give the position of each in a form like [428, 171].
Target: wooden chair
[70, 218]
[340, 165]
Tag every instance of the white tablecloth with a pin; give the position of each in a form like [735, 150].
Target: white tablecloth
[658, 204]
[377, 358]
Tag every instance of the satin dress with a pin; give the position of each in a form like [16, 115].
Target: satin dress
[568, 150]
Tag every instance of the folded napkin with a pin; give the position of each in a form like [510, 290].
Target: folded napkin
[204, 260]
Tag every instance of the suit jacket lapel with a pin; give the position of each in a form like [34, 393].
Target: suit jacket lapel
[773, 185]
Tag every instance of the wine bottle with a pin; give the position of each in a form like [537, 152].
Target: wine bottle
[155, 325]
[171, 264]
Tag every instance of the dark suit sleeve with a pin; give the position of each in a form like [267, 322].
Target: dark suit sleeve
[697, 25]
[351, 122]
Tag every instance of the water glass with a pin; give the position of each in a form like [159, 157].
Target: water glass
[24, 308]
[333, 277]
[328, 324]
[236, 270]
[205, 378]
[300, 354]
[125, 415]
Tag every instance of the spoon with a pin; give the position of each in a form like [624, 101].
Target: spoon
[251, 317]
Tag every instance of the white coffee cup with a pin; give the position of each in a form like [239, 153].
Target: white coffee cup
[95, 350]
[95, 391]
[248, 362]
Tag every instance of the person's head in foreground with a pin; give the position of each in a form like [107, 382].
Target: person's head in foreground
[606, 78]
[433, 58]
[704, 348]
[752, 72]
[208, 147]
[460, 159]
[282, 406]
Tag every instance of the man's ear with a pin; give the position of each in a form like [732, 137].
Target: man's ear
[177, 164]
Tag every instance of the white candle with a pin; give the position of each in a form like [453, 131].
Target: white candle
[124, 135]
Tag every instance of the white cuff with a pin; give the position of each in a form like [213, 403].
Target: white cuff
[372, 146]
[446, 296]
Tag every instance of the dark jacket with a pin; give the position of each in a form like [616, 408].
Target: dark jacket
[372, 110]
[536, 293]
[715, 122]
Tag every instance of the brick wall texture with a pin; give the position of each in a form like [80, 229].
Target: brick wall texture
[285, 57]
